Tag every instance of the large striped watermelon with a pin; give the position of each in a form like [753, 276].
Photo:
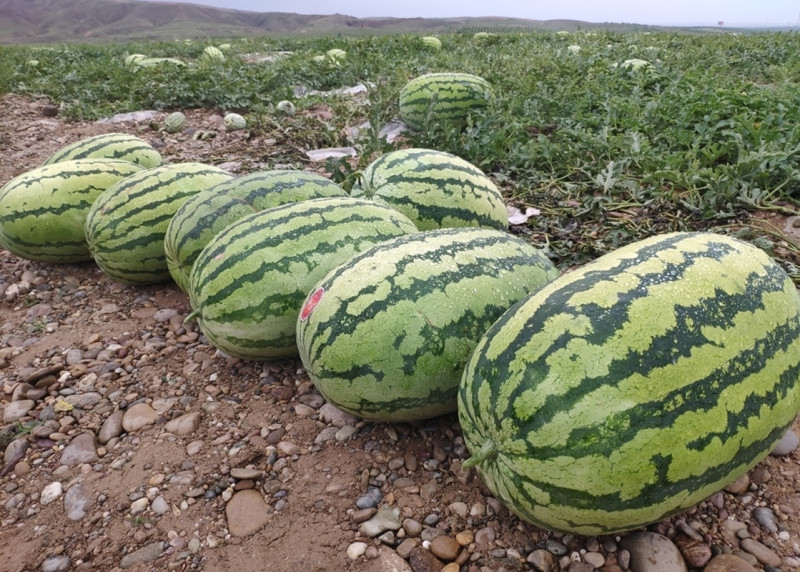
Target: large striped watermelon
[386, 334]
[111, 146]
[636, 386]
[248, 283]
[42, 211]
[202, 216]
[435, 189]
[443, 98]
[125, 226]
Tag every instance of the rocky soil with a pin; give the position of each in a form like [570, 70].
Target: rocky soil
[130, 443]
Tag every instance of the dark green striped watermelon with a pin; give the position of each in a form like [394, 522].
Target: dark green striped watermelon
[435, 189]
[202, 216]
[249, 282]
[386, 334]
[636, 386]
[125, 226]
[42, 211]
[443, 98]
[110, 146]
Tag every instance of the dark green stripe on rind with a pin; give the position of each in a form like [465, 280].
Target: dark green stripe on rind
[125, 227]
[112, 146]
[393, 328]
[636, 386]
[435, 189]
[250, 280]
[445, 98]
[201, 217]
[42, 211]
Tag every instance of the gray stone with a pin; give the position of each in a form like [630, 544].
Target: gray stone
[16, 410]
[787, 444]
[388, 561]
[185, 424]
[60, 563]
[729, 563]
[763, 554]
[76, 502]
[145, 554]
[16, 448]
[112, 427]
[82, 449]
[159, 505]
[329, 413]
[247, 513]
[542, 560]
[595, 559]
[51, 493]
[74, 356]
[370, 499]
[138, 416]
[766, 518]
[653, 552]
[327, 434]
[84, 400]
[387, 518]
[445, 547]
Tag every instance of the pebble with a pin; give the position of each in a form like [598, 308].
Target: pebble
[578, 566]
[459, 509]
[244, 473]
[145, 554]
[653, 552]
[363, 514]
[185, 424]
[76, 501]
[159, 505]
[138, 416]
[740, 485]
[595, 559]
[786, 445]
[356, 550]
[370, 499]
[729, 563]
[556, 548]
[345, 433]
[445, 547]
[387, 518]
[59, 563]
[331, 414]
[82, 449]
[695, 552]
[762, 553]
[112, 427]
[390, 561]
[246, 513]
[16, 448]
[484, 536]
[465, 537]
[194, 447]
[542, 560]
[412, 527]
[16, 410]
[766, 518]
[422, 560]
[51, 493]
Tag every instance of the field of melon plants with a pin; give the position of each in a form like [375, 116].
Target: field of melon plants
[611, 137]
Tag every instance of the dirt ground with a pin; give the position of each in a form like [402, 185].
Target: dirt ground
[261, 416]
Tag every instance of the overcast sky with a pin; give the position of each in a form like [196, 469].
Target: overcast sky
[731, 12]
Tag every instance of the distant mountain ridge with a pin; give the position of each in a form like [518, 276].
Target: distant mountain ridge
[49, 21]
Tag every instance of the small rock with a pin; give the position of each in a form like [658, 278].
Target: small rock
[766, 518]
[145, 554]
[288, 448]
[246, 512]
[422, 560]
[60, 563]
[578, 566]
[484, 536]
[695, 552]
[76, 501]
[445, 547]
[159, 505]
[465, 537]
[112, 427]
[729, 563]
[459, 509]
[51, 492]
[413, 528]
[594, 559]
[344, 433]
[138, 416]
[356, 550]
[15, 449]
[244, 473]
[194, 447]
[329, 413]
[787, 444]
[387, 518]
[763, 554]
[654, 552]
[185, 424]
[389, 561]
[370, 499]
[16, 410]
[556, 548]
[82, 449]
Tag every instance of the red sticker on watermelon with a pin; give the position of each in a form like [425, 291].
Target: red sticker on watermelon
[311, 303]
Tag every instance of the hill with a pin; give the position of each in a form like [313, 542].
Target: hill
[55, 21]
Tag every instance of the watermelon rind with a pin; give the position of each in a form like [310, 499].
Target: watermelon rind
[110, 146]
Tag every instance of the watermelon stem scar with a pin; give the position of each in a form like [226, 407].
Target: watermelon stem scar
[487, 451]
[191, 316]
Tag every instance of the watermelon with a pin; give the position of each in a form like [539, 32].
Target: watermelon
[386, 335]
[208, 212]
[234, 122]
[435, 189]
[125, 226]
[174, 122]
[109, 146]
[432, 42]
[636, 386]
[444, 98]
[42, 211]
[248, 284]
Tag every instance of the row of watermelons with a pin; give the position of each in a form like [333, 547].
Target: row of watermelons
[592, 402]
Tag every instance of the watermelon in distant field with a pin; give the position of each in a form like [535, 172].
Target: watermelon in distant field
[443, 98]
[635, 386]
[42, 211]
[247, 285]
[386, 335]
[435, 189]
[125, 226]
[205, 214]
[109, 146]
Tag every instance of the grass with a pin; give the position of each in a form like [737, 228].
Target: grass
[700, 138]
